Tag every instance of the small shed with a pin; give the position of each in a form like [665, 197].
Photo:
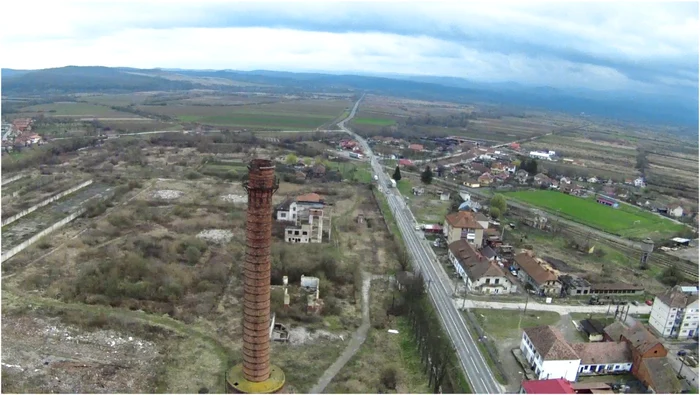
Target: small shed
[593, 329]
[681, 241]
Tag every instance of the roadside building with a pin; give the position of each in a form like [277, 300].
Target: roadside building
[603, 358]
[463, 225]
[479, 274]
[674, 314]
[616, 289]
[549, 354]
[531, 272]
[574, 286]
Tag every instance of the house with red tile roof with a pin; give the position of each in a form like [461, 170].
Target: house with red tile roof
[551, 386]
[464, 225]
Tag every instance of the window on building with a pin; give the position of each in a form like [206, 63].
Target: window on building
[296, 233]
[305, 233]
[283, 215]
[496, 281]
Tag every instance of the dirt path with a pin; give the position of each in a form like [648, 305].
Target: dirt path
[358, 338]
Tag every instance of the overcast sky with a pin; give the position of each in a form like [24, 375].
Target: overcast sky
[601, 45]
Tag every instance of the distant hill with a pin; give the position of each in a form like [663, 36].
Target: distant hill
[74, 79]
[669, 110]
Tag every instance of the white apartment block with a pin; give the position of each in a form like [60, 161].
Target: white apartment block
[674, 314]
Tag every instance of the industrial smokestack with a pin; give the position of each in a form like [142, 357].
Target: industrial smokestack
[256, 375]
[261, 184]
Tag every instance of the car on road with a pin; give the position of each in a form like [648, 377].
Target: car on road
[649, 302]
[682, 353]
[636, 303]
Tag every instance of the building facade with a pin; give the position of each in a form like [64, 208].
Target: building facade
[479, 274]
[463, 225]
[674, 314]
[549, 354]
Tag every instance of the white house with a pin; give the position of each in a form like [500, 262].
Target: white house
[549, 354]
[674, 314]
[639, 183]
[479, 273]
[287, 211]
[676, 211]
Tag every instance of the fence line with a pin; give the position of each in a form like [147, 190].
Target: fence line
[17, 249]
[13, 178]
[50, 200]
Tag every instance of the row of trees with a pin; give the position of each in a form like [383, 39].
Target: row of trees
[426, 176]
[436, 352]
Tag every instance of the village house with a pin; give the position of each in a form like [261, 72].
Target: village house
[22, 124]
[531, 272]
[639, 183]
[308, 228]
[480, 274]
[541, 179]
[552, 357]
[463, 225]
[416, 147]
[405, 162]
[675, 210]
[564, 180]
[497, 168]
[674, 314]
[485, 179]
[521, 176]
[549, 354]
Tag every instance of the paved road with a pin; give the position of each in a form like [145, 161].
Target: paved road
[472, 362]
[536, 306]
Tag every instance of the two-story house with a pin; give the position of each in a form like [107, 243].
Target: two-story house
[674, 314]
[549, 354]
[543, 281]
[464, 225]
[479, 273]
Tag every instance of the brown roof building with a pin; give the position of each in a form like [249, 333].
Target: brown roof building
[540, 279]
[550, 343]
[479, 273]
[604, 353]
[464, 225]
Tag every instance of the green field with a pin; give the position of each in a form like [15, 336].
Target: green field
[626, 221]
[352, 171]
[290, 115]
[71, 109]
[374, 121]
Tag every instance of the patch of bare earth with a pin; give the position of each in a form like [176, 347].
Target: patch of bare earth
[43, 355]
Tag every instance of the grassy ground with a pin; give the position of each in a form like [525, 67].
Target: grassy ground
[374, 121]
[503, 324]
[383, 350]
[353, 171]
[624, 221]
[292, 115]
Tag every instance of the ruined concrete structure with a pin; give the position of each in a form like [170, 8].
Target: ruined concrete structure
[256, 374]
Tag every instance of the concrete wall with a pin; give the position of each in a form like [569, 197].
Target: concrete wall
[17, 249]
[11, 179]
[52, 199]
